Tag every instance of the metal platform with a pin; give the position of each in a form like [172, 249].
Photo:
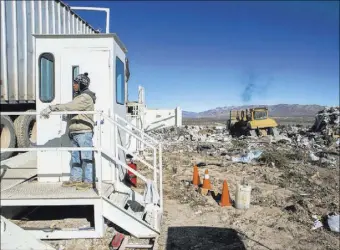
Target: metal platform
[111, 205]
[36, 190]
[54, 194]
[18, 169]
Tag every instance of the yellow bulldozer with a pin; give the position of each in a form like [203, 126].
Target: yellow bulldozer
[253, 122]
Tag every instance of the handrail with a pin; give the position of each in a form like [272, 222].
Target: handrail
[38, 148]
[155, 148]
[124, 165]
[139, 130]
[160, 176]
[127, 131]
[55, 113]
[137, 157]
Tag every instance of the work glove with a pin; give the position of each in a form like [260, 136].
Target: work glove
[45, 113]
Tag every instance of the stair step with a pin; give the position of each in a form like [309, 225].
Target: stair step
[119, 198]
[123, 200]
[138, 214]
[128, 221]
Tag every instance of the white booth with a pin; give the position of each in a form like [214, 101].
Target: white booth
[59, 59]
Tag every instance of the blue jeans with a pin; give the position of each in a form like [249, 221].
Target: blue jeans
[82, 161]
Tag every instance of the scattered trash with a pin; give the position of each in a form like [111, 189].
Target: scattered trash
[201, 164]
[248, 157]
[317, 222]
[334, 222]
[313, 157]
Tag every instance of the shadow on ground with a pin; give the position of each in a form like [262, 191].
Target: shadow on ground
[212, 238]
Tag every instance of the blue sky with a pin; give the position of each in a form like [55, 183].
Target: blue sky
[205, 54]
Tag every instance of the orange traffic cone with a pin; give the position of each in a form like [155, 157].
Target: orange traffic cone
[196, 177]
[206, 181]
[225, 199]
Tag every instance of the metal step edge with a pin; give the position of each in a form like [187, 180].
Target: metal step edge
[123, 202]
[138, 220]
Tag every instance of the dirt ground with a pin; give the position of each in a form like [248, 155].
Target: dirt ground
[280, 213]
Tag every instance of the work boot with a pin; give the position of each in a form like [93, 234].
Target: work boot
[84, 186]
[70, 183]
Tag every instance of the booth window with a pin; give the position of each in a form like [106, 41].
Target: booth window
[120, 82]
[75, 72]
[46, 77]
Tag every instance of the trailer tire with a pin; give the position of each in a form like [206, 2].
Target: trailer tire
[25, 130]
[8, 138]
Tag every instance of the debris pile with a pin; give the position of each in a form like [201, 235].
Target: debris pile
[318, 144]
[191, 134]
[327, 121]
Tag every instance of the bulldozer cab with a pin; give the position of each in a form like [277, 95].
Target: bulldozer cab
[259, 114]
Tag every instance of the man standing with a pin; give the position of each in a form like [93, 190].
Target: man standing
[80, 132]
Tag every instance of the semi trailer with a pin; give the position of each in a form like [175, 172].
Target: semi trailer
[19, 21]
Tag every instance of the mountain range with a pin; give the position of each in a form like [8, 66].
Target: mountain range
[279, 110]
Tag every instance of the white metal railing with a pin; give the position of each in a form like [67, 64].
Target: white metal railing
[136, 120]
[107, 10]
[155, 146]
[147, 140]
[153, 141]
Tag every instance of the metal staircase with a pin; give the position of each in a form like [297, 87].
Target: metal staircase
[115, 201]
[123, 210]
[126, 207]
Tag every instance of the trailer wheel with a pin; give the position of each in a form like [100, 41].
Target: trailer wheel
[26, 130]
[8, 139]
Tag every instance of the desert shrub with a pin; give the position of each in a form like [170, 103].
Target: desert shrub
[270, 156]
[297, 154]
[239, 144]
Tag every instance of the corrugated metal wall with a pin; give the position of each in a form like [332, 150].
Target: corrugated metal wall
[19, 20]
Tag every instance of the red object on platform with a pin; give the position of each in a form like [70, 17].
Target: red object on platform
[132, 176]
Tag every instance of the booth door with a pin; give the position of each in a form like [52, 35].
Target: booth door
[119, 104]
[71, 66]
[49, 130]
[95, 63]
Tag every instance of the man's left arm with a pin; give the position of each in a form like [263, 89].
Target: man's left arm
[78, 104]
